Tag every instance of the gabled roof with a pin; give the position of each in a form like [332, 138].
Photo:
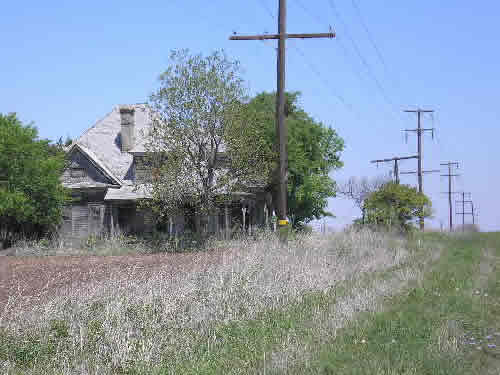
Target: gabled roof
[103, 142]
[96, 162]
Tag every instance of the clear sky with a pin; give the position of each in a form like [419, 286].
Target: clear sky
[65, 64]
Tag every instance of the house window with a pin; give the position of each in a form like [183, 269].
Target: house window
[95, 211]
[77, 172]
[66, 214]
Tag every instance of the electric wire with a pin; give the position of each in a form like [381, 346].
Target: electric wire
[364, 61]
[338, 38]
[324, 81]
[313, 68]
[346, 54]
[369, 34]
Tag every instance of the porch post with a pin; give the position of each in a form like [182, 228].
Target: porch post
[216, 218]
[274, 221]
[244, 210]
[112, 218]
[226, 221]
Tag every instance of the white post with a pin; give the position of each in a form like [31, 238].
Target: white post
[112, 219]
[244, 210]
[265, 215]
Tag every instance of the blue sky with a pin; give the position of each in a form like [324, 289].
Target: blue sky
[65, 64]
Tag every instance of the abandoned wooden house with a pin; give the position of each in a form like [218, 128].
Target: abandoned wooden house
[104, 174]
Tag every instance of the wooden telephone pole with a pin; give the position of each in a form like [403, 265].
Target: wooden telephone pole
[396, 167]
[450, 164]
[419, 130]
[281, 128]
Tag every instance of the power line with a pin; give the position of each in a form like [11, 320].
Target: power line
[281, 128]
[346, 54]
[267, 8]
[361, 57]
[345, 51]
[324, 81]
[309, 64]
[311, 14]
[370, 38]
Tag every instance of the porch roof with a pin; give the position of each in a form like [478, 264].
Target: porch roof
[128, 193]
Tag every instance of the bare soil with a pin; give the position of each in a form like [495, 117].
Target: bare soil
[37, 278]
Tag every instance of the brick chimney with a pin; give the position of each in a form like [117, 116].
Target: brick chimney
[128, 127]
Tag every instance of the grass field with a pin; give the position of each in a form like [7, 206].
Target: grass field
[346, 303]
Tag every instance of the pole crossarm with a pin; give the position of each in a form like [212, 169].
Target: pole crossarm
[463, 213]
[281, 127]
[418, 110]
[416, 130]
[394, 158]
[419, 131]
[396, 167]
[279, 36]
[429, 171]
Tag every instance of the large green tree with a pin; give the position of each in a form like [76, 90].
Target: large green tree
[204, 142]
[313, 153]
[396, 206]
[31, 194]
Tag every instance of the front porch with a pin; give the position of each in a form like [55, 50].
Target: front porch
[96, 212]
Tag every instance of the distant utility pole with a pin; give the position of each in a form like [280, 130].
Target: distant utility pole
[396, 167]
[450, 164]
[463, 213]
[281, 128]
[419, 130]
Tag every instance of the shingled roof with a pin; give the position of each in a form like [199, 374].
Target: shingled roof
[102, 144]
[103, 141]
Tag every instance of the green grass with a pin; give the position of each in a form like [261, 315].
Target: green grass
[380, 322]
[425, 330]
[422, 331]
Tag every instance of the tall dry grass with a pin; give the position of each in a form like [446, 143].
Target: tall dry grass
[111, 324]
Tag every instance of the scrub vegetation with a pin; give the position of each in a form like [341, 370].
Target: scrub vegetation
[351, 302]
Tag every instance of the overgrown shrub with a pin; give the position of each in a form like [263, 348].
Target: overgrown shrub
[395, 207]
[31, 194]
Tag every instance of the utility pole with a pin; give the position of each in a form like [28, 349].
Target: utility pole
[463, 213]
[450, 164]
[419, 130]
[281, 128]
[396, 167]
